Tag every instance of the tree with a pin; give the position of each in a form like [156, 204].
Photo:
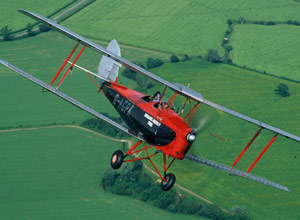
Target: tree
[239, 213]
[152, 63]
[189, 206]
[229, 22]
[44, 28]
[271, 23]
[174, 59]
[242, 20]
[213, 56]
[129, 73]
[186, 57]
[212, 211]
[144, 82]
[282, 90]
[29, 30]
[5, 32]
[109, 179]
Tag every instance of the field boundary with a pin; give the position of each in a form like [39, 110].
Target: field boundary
[16, 35]
[129, 142]
[227, 59]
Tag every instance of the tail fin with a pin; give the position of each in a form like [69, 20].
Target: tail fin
[109, 68]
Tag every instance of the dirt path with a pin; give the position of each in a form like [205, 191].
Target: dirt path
[55, 19]
[70, 9]
[113, 139]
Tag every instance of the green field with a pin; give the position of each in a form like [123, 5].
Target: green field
[186, 27]
[276, 48]
[191, 27]
[252, 94]
[45, 64]
[15, 20]
[244, 91]
[55, 174]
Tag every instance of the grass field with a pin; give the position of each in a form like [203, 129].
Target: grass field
[190, 27]
[244, 91]
[276, 49]
[45, 64]
[55, 174]
[15, 20]
[252, 94]
[177, 28]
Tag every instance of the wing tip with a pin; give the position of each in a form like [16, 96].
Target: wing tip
[27, 13]
[23, 11]
[3, 62]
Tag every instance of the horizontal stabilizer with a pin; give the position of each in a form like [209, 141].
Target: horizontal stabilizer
[236, 172]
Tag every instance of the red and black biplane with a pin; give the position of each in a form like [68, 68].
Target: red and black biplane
[150, 119]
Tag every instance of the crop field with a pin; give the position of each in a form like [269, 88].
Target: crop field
[65, 182]
[244, 91]
[186, 27]
[190, 27]
[42, 56]
[276, 48]
[15, 20]
[55, 174]
[252, 94]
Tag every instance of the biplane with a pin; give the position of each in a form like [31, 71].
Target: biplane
[150, 119]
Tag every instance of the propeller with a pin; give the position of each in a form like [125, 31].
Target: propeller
[204, 118]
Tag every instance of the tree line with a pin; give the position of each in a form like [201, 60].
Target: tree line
[133, 181]
[99, 125]
[144, 82]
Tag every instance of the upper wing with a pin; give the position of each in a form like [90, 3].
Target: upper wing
[181, 89]
[70, 99]
[97, 47]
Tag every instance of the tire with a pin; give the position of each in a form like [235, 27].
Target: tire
[116, 159]
[166, 186]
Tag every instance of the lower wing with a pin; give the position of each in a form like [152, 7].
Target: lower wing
[70, 99]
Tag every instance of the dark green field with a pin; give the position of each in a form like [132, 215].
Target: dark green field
[32, 159]
[55, 174]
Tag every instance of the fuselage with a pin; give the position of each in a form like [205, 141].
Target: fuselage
[165, 129]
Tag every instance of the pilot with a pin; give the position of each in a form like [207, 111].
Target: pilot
[156, 96]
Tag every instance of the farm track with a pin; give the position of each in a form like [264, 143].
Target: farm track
[55, 19]
[112, 139]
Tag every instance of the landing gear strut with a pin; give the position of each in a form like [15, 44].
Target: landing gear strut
[167, 181]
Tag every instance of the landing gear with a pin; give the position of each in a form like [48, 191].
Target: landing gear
[117, 159]
[169, 183]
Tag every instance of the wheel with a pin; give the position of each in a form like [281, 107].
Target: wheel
[167, 185]
[116, 159]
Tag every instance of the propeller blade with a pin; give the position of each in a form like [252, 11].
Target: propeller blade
[201, 124]
[203, 119]
[236, 172]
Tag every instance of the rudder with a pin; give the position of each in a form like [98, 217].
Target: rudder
[109, 68]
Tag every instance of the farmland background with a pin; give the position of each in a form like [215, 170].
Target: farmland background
[151, 29]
